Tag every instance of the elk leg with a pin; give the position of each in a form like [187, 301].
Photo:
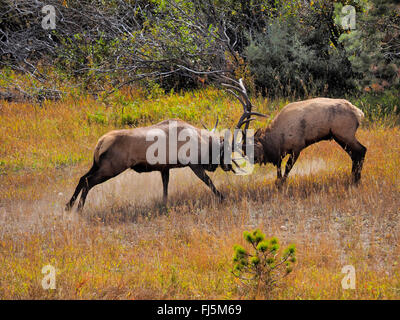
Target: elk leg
[165, 180]
[90, 182]
[290, 163]
[201, 173]
[279, 170]
[357, 157]
[279, 180]
[357, 152]
[79, 187]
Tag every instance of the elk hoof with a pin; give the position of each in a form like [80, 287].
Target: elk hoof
[67, 207]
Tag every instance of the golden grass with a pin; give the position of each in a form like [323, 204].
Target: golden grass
[125, 245]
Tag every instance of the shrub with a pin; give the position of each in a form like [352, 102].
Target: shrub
[380, 106]
[286, 63]
[261, 269]
[98, 117]
[373, 46]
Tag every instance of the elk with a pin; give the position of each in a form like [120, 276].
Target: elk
[299, 125]
[119, 150]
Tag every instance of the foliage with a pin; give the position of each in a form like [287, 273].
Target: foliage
[263, 268]
[284, 65]
[107, 44]
[380, 106]
[373, 47]
[299, 53]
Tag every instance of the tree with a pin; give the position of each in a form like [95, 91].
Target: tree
[374, 47]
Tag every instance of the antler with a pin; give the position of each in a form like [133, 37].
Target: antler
[241, 90]
[244, 99]
[213, 129]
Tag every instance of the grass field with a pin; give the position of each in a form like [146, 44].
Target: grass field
[126, 245]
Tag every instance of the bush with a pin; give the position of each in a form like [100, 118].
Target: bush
[287, 63]
[261, 270]
[380, 106]
[98, 118]
[373, 46]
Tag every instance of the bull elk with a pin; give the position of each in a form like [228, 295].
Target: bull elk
[299, 125]
[119, 150]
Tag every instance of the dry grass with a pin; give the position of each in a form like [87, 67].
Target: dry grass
[126, 245]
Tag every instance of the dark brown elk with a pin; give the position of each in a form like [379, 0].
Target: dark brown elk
[119, 150]
[299, 125]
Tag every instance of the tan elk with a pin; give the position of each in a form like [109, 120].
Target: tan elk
[299, 125]
[119, 150]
